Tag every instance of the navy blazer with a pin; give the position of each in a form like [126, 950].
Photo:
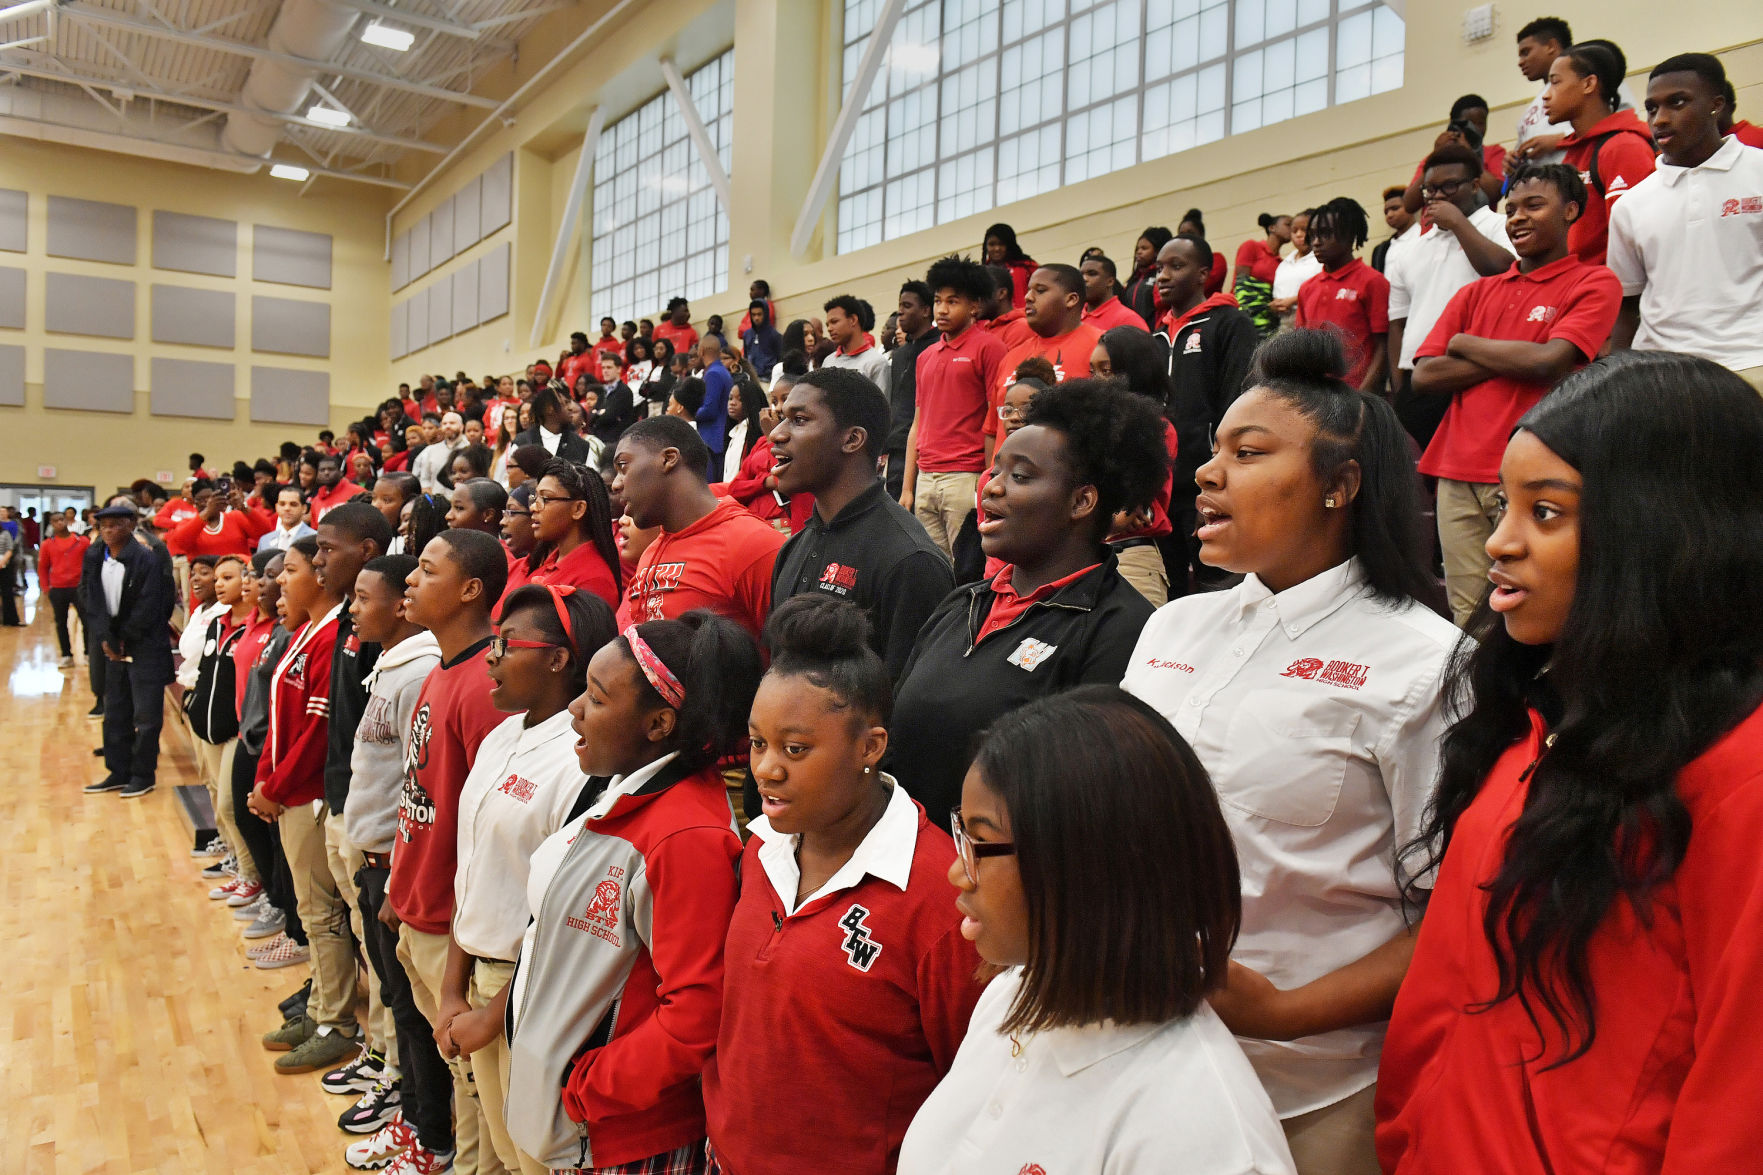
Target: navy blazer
[148, 597]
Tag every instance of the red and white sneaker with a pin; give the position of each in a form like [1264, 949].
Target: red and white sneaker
[382, 1147]
[244, 893]
[225, 891]
[419, 1160]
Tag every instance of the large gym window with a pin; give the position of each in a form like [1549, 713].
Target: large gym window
[659, 229]
[980, 103]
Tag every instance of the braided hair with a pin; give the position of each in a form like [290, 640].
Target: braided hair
[585, 485]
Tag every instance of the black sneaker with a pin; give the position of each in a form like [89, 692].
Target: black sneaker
[373, 1109]
[358, 1076]
[108, 783]
[97, 711]
[137, 787]
[294, 1003]
[97, 752]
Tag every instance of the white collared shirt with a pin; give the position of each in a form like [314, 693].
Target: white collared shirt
[112, 575]
[1425, 273]
[190, 642]
[1692, 247]
[518, 792]
[885, 852]
[1105, 1099]
[280, 538]
[1317, 712]
[550, 440]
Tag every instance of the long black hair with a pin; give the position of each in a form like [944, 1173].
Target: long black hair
[1006, 237]
[1305, 368]
[428, 518]
[584, 485]
[1660, 655]
[718, 667]
[1138, 363]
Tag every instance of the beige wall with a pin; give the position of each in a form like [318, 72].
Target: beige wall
[103, 449]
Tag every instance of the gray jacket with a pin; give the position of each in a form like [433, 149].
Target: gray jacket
[376, 765]
[254, 713]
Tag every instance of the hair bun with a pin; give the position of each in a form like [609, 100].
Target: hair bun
[1303, 356]
[818, 628]
[1266, 220]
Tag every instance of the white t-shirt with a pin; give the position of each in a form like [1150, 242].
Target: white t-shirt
[1291, 275]
[1105, 1099]
[1318, 713]
[1689, 241]
[733, 456]
[1426, 271]
[518, 792]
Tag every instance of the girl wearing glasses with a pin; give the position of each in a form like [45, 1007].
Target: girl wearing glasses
[618, 995]
[572, 532]
[521, 789]
[1094, 866]
[843, 894]
[517, 536]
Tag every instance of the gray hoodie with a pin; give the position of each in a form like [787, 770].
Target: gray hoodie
[376, 765]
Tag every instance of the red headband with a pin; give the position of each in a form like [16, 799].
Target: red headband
[659, 675]
[559, 593]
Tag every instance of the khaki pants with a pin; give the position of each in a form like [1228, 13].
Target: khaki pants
[942, 502]
[325, 916]
[1337, 1139]
[489, 1065]
[425, 961]
[225, 818]
[1468, 512]
[345, 860]
[208, 770]
[1143, 568]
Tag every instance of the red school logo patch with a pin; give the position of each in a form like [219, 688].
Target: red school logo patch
[1305, 667]
[1347, 674]
[1346, 294]
[520, 789]
[600, 919]
[1540, 314]
[1738, 205]
[839, 577]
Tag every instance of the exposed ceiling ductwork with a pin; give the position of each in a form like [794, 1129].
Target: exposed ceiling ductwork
[314, 29]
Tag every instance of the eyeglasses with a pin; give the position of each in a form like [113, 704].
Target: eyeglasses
[540, 501]
[1008, 412]
[512, 513]
[1448, 188]
[970, 850]
[499, 645]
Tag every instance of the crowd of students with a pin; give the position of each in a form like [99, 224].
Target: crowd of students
[636, 750]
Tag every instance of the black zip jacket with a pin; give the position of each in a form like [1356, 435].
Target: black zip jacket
[351, 662]
[952, 688]
[140, 627]
[212, 706]
[1208, 364]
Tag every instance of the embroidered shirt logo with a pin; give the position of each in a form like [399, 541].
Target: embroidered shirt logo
[840, 578]
[1030, 653]
[1032, 1169]
[1305, 667]
[1344, 673]
[1346, 294]
[296, 671]
[1741, 204]
[520, 789]
[1617, 185]
[650, 584]
[1540, 314]
[860, 950]
[1192, 346]
[600, 919]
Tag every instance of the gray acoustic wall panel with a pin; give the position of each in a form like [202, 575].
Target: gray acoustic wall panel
[492, 283]
[467, 215]
[441, 234]
[14, 207]
[418, 336]
[400, 261]
[202, 318]
[290, 257]
[465, 298]
[12, 377]
[79, 305]
[283, 396]
[189, 387]
[498, 196]
[90, 381]
[91, 230]
[12, 298]
[288, 327]
[441, 310]
[400, 329]
[419, 248]
[195, 244]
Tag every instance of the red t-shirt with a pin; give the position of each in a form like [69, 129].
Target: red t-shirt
[1625, 157]
[582, 568]
[683, 338]
[173, 513]
[1010, 327]
[60, 560]
[1007, 605]
[1258, 260]
[453, 714]
[323, 500]
[1215, 276]
[571, 366]
[955, 378]
[1111, 314]
[1069, 354]
[238, 534]
[1565, 299]
[881, 1031]
[1354, 300]
[604, 346]
[722, 562]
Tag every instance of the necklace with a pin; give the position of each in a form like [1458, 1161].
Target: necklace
[216, 528]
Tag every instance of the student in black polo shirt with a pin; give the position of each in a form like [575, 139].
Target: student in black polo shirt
[920, 331]
[1060, 613]
[860, 544]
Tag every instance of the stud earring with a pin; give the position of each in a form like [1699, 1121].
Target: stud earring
[1328, 503]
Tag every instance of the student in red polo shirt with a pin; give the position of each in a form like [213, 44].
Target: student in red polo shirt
[711, 553]
[1610, 148]
[572, 531]
[844, 893]
[1500, 344]
[1053, 310]
[945, 447]
[1102, 308]
[1348, 296]
[677, 327]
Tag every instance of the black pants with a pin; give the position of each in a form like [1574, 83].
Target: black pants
[61, 599]
[428, 1083]
[95, 658]
[264, 845]
[9, 589]
[134, 712]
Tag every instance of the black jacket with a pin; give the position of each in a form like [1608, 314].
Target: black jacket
[573, 447]
[953, 689]
[903, 389]
[617, 412]
[351, 660]
[212, 706]
[140, 627]
[1208, 364]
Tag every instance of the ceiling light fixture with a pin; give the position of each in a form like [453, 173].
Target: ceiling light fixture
[387, 37]
[329, 115]
[287, 171]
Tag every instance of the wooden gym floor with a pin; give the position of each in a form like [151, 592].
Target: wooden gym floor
[129, 1037]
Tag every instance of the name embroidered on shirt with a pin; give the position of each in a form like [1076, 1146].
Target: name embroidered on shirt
[1540, 314]
[1030, 653]
[600, 919]
[1736, 205]
[861, 951]
[839, 578]
[520, 789]
[1155, 663]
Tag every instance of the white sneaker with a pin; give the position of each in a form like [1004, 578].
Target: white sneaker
[380, 1148]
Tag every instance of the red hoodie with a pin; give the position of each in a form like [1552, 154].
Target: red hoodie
[1169, 325]
[60, 559]
[1624, 156]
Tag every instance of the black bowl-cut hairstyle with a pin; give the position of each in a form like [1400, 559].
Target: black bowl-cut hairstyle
[1113, 441]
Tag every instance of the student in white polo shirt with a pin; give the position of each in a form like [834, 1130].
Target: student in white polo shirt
[1689, 250]
[522, 788]
[1312, 693]
[1093, 865]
